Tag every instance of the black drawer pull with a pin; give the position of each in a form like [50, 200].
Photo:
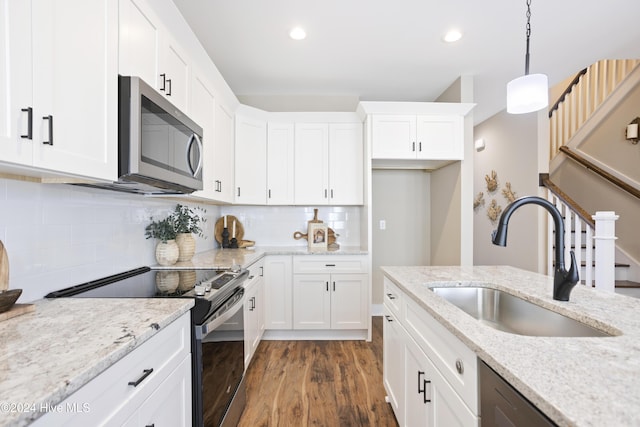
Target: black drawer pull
[50, 119]
[391, 296]
[164, 82]
[145, 374]
[29, 112]
[169, 87]
[389, 318]
[329, 265]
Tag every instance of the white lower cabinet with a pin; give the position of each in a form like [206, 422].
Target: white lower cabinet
[149, 386]
[330, 292]
[253, 311]
[430, 377]
[277, 292]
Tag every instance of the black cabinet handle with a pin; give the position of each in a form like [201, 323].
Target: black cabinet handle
[413, 146]
[164, 82]
[50, 119]
[422, 386]
[145, 374]
[253, 303]
[332, 193]
[151, 425]
[327, 286]
[389, 318]
[391, 296]
[261, 271]
[238, 191]
[329, 265]
[420, 147]
[269, 196]
[29, 111]
[325, 193]
[334, 286]
[169, 87]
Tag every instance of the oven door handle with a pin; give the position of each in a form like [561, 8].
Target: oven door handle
[205, 328]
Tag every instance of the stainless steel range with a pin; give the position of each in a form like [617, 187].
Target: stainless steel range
[217, 337]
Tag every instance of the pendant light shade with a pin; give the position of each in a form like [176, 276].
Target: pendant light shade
[530, 92]
[527, 94]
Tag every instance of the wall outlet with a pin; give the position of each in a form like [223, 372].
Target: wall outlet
[383, 224]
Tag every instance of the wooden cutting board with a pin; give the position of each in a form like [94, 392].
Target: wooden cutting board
[4, 268]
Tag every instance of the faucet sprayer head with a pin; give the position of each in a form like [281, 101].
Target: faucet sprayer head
[499, 235]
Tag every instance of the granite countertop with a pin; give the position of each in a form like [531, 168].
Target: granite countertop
[224, 259]
[585, 381]
[50, 353]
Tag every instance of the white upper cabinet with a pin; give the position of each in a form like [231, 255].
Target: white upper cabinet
[280, 163]
[346, 164]
[70, 103]
[311, 176]
[148, 50]
[422, 137]
[203, 109]
[251, 164]
[16, 108]
[328, 164]
[223, 163]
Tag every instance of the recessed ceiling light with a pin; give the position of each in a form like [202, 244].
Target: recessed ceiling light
[298, 33]
[452, 36]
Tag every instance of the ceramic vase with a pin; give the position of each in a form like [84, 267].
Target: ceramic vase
[167, 252]
[187, 245]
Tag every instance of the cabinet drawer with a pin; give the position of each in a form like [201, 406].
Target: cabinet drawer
[109, 398]
[329, 264]
[256, 269]
[455, 361]
[392, 298]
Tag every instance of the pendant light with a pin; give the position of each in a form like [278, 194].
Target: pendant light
[530, 92]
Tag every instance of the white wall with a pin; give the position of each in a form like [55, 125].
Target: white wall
[60, 235]
[511, 150]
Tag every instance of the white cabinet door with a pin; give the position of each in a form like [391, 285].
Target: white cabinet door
[170, 404]
[349, 299]
[174, 73]
[394, 137]
[280, 163]
[16, 145]
[311, 164]
[140, 38]
[251, 332]
[346, 164]
[393, 364]
[440, 137]
[312, 301]
[203, 107]
[223, 154]
[430, 400]
[278, 292]
[251, 161]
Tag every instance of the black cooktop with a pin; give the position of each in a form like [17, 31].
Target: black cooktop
[209, 288]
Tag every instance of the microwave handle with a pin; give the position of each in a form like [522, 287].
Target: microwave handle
[195, 138]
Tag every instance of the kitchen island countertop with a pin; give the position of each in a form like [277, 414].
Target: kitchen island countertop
[582, 381]
[50, 353]
[224, 259]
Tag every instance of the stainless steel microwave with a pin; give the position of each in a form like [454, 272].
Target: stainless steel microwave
[159, 147]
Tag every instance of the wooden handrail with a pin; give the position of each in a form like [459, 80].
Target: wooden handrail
[545, 181]
[567, 91]
[604, 174]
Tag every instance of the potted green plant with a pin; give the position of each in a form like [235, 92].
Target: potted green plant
[186, 222]
[167, 251]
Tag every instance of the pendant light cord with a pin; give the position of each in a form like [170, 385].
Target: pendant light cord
[526, 58]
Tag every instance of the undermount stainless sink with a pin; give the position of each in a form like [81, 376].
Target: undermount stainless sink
[509, 313]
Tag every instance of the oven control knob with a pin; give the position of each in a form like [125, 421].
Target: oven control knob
[199, 290]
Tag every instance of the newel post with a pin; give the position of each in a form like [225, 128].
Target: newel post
[605, 243]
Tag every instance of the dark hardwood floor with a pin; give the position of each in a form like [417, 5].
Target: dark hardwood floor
[318, 383]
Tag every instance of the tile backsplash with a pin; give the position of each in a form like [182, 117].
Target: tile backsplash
[60, 235]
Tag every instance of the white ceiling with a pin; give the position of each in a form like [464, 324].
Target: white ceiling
[384, 50]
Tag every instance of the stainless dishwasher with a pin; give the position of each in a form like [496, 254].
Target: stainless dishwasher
[501, 405]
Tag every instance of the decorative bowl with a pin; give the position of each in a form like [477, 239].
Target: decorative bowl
[8, 298]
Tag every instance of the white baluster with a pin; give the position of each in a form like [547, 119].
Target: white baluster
[588, 280]
[605, 240]
[578, 242]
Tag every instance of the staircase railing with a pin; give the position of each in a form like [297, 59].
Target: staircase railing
[586, 92]
[592, 237]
